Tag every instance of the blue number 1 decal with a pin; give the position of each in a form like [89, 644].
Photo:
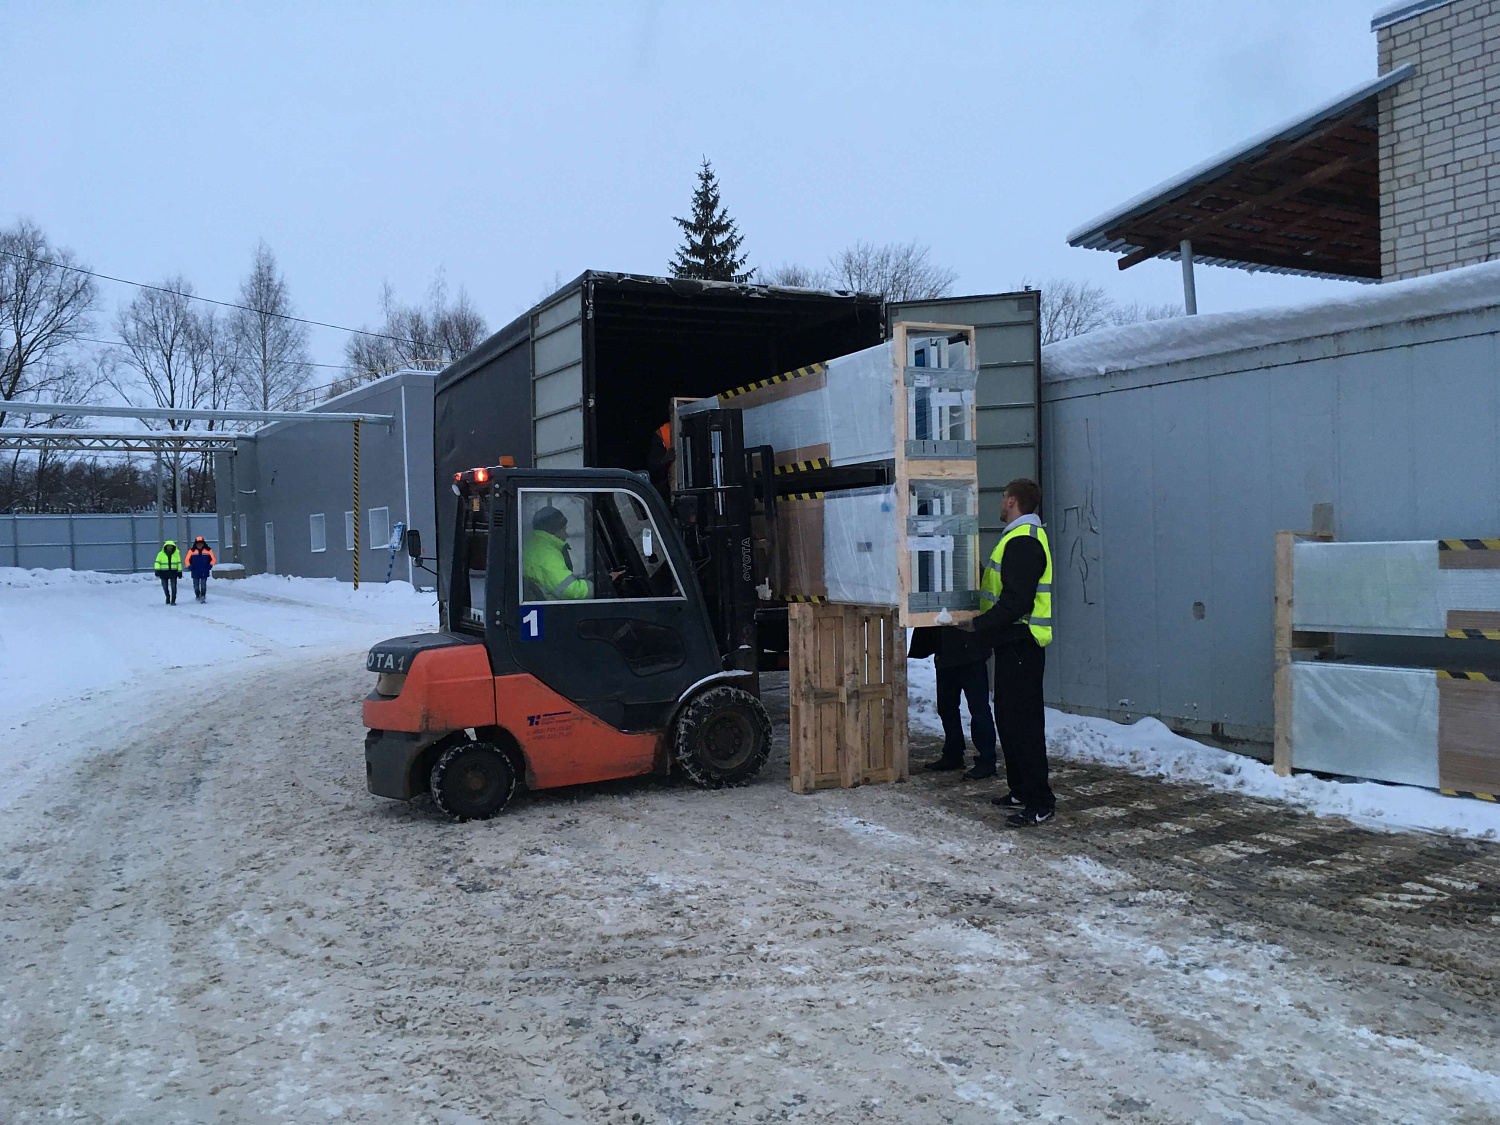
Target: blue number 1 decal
[531, 625]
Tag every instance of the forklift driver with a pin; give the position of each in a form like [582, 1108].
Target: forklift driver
[547, 564]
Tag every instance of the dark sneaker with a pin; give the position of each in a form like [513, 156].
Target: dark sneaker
[1007, 802]
[1030, 818]
[945, 764]
[979, 772]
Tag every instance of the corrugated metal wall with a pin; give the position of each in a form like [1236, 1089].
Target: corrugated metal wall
[1166, 485]
[115, 543]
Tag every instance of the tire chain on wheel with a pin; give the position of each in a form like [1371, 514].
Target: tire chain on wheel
[445, 761]
[691, 721]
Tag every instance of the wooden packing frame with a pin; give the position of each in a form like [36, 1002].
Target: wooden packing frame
[847, 686]
[962, 470]
[1286, 641]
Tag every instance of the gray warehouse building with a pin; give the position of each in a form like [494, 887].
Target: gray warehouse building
[1175, 450]
[290, 487]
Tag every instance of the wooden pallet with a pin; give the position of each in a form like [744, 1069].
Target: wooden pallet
[847, 684]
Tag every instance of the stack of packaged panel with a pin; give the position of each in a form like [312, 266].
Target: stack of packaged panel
[877, 479]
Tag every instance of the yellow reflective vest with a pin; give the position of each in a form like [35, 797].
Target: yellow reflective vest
[545, 566]
[1039, 620]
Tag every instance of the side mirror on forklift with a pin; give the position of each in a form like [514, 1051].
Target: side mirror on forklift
[414, 543]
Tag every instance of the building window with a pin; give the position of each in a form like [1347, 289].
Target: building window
[244, 530]
[349, 531]
[317, 527]
[380, 529]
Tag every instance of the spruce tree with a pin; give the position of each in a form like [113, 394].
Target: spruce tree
[711, 239]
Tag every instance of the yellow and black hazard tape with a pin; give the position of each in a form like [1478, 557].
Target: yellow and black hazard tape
[784, 377]
[1469, 544]
[1474, 634]
[1476, 796]
[1444, 674]
[803, 598]
[799, 496]
[803, 466]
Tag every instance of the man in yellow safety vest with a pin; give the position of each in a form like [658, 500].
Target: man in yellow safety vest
[1016, 599]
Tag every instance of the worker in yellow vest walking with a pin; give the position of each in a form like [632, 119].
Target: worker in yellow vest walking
[1016, 599]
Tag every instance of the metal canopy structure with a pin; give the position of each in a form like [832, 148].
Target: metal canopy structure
[186, 414]
[100, 441]
[1303, 198]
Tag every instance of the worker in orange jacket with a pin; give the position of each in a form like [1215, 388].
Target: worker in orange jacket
[200, 560]
[660, 458]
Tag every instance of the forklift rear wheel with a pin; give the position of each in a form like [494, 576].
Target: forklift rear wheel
[472, 781]
[723, 737]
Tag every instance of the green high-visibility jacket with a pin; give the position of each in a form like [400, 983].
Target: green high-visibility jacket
[1039, 620]
[544, 564]
[169, 559]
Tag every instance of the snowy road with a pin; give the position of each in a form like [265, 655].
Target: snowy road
[88, 658]
[223, 926]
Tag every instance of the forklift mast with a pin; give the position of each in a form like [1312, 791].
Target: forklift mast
[727, 501]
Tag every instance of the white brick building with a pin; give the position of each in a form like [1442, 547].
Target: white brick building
[1395, 178]
[1439, 136]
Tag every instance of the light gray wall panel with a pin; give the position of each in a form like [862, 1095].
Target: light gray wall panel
[1127, 517]
[1180, 500]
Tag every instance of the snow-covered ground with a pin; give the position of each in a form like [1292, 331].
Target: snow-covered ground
[1149, 748]
[205, 917]
[86, 657]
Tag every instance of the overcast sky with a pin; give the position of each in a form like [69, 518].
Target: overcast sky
[511, 144]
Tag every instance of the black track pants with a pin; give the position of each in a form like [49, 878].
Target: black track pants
[169, 586]
[973, 682]
[1022, 723]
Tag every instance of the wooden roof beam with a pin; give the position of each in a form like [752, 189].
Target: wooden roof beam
[1286, 190]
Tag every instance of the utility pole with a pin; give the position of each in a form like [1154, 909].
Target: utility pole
[161, 524]
[234, 507]
[356, 503]
[177, 497]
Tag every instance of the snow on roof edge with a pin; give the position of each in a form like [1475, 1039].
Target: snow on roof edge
[1399, 10]
[1182, 180]
[1157, 342]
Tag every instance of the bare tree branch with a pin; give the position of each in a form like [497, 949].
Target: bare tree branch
[898, 271]
[1071, 308]
[44, 309]
[426, 336]
[271, 347]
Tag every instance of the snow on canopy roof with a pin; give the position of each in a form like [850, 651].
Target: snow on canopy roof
[1191, 337]
[1388, 14]
[1094, 234]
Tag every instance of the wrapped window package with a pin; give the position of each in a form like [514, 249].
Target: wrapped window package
[912, 544]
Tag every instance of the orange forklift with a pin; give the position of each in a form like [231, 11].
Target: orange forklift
[594, 630]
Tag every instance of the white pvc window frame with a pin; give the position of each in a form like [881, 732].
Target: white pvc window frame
[379, 543]
[317, 532]
[565, 491]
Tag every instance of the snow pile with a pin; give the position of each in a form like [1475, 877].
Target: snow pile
[1149, 749]
[20, 576]
[1189, 337]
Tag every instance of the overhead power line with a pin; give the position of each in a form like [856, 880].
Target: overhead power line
[288, 362]
[207, 300]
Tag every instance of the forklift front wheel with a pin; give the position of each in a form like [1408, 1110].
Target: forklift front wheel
[472, 781]
[722, 737]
